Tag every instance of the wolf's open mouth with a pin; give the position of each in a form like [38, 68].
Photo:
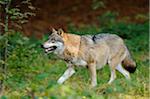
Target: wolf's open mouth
[50, 49]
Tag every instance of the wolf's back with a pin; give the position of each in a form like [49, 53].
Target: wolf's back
[116, 43]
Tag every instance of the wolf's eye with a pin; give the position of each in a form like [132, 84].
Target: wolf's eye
[52, 39]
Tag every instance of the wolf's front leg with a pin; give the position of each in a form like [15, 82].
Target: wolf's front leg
[68, 73]
[92, 69]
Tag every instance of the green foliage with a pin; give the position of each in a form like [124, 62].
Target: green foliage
[108, 19]
[97, 4]
[14, 14]
[34, 74]
[9, 44]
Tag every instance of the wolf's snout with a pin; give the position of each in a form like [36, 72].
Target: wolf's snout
[42, 46]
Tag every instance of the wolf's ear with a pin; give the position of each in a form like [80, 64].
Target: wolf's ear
[53, 30]
[60, 32]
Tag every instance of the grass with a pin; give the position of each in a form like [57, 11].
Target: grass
[31, 73]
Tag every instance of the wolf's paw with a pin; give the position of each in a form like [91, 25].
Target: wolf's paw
[93, 85]
[60, 80]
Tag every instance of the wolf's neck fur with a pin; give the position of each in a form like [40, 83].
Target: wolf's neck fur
[72, 44]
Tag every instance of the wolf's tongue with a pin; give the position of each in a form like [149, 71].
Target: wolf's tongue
[48, 49]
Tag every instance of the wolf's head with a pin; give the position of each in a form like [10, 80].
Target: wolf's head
[55, 42]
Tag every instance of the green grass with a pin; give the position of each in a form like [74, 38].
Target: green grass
[31, 73]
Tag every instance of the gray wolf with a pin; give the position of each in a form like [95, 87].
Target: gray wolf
[91, 51]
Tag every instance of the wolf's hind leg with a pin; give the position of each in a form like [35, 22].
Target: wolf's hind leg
[123, 71]
[68, 73]
[113, 75]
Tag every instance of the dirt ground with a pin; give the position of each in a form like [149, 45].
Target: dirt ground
[60, 13]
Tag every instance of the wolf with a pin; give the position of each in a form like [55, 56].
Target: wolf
[91, 51]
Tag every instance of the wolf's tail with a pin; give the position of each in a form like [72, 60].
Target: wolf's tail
[129, 64]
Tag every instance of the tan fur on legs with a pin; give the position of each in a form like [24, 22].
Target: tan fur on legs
[113, 63]
[113, 75]
[92, 69]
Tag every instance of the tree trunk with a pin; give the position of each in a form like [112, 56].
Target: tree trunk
[4, 50]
